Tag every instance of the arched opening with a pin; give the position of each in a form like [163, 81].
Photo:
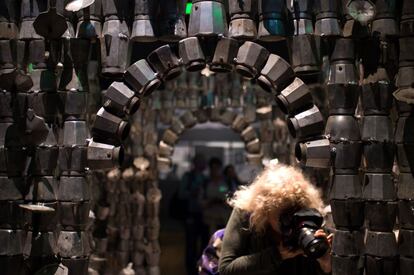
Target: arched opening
[163, 65]
[239, 125]
[155, 155]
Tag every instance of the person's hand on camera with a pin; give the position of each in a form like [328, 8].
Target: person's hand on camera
[287, 253]
[325, 260]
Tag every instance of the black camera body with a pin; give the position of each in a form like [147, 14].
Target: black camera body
[298, 228]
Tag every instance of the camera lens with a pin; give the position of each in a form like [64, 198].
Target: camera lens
[299, 229]
[312, 246]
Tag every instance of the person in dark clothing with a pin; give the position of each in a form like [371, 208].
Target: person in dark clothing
[215, 207]
[252, 240]
[231, 178]
[191, 190]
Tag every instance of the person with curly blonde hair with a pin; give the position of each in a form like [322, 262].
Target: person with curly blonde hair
[252, 241]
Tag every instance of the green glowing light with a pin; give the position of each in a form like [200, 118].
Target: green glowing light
[188, 8]
[30, 67]
[223, 189]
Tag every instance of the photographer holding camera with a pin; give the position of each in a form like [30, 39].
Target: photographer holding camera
[275, 227]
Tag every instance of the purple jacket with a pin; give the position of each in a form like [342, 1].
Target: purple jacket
[208, 263]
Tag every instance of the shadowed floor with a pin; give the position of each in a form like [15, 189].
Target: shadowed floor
[172, 245]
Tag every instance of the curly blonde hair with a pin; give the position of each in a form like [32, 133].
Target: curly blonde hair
[277, 188]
